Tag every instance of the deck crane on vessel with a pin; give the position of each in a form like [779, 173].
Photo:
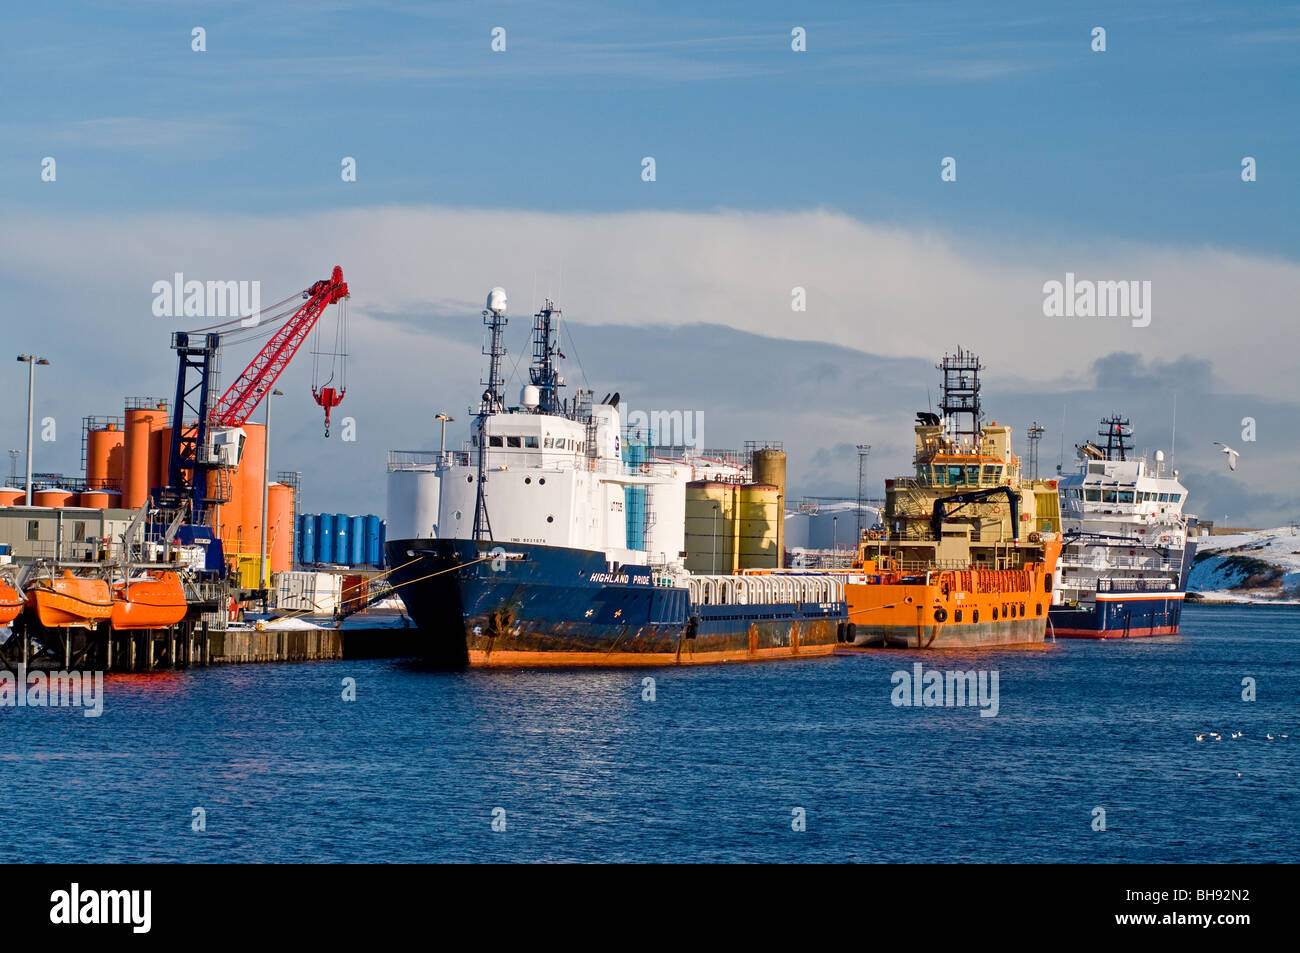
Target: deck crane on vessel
[206, 439]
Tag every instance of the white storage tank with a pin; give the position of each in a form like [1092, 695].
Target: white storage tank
[413, 503]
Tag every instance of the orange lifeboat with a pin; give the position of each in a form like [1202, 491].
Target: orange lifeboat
[11, 603]
[153, 600]
[68, 600]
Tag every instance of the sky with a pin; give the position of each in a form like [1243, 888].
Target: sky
[775, 169]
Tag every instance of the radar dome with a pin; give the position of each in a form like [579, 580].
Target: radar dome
[1160, 456]
[496, 302]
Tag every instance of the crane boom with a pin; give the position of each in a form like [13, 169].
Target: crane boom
[243, 396]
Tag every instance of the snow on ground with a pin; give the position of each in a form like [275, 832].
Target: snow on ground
[1258, 566]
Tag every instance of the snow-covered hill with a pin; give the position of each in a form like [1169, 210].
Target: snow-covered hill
[1260, 566]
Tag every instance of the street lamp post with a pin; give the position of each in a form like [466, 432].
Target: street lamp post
[442, 444]
[31, 360]
[266, 487]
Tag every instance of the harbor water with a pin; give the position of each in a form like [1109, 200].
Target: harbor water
[578, 765]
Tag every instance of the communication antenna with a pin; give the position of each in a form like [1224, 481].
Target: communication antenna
[494, 316]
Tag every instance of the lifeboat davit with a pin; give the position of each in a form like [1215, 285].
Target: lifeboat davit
[66, 601]
[11, 603]
[154, 599]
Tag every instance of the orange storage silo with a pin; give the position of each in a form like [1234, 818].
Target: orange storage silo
[163, 447]
[11, 497]
[140, 448]
[54, 497]
[95, 499]
[249, 478]
[279, 527]
[104, 457]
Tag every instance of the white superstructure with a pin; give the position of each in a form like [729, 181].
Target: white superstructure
[1122, 519]
[552, 472]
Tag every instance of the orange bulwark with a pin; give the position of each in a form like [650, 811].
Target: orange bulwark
[66, 601]
[154, 600]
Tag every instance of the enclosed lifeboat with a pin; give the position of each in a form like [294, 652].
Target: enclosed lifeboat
[154, 599]
[67, 600]
[11, 602]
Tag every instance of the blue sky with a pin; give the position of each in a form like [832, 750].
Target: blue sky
[1143, 141]
[774, 169]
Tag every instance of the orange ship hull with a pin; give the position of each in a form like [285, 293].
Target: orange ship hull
[154, 602]
[11, 603]
[67, 601]
[952, 609]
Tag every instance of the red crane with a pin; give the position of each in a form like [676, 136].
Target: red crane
[243, 396]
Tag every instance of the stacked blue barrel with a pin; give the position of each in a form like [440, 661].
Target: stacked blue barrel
[339, 539]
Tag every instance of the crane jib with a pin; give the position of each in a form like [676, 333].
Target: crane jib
[243, 396]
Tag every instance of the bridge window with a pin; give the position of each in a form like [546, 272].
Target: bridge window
[512, 441]
[1109, 496]
[1092, 496]
[494, 440]
[548, 443]
[530, 443]
[1126, 496]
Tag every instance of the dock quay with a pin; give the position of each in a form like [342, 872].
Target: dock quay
[203, 643]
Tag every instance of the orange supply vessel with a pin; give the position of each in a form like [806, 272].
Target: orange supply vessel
[968, 547]
[67, 600]
[153, 599]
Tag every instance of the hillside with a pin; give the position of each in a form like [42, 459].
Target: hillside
[1259, 566]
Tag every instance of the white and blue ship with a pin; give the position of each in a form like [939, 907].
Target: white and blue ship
[1127, 551]
[518, 550]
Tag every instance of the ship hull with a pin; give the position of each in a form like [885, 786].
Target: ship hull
[509, 605]
[1120, 617]
[1008, 633]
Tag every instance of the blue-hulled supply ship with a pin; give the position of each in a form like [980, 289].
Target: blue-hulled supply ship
[514, 550]
[1127, 551]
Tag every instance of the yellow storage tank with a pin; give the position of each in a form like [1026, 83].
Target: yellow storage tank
[759, 526]
[769, 468]
[711, 526]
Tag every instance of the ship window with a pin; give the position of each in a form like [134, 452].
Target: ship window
[956, 616]
[975, 615]
[1092, 496]
[495, 441]
[956, 475]
[1164, 497]
[1175, 497]
[512, 442]
[548, 443]
[972, 474]
[33, 529]
[530, 443]
[990, 473]
[1126, 496]
[995, 613]
[1040, 608]
[1108, 496]
[541, 481]
[550, 519]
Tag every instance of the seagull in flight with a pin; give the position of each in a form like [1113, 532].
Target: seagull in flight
[1232, 454]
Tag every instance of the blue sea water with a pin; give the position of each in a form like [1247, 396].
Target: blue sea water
[711, 770]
